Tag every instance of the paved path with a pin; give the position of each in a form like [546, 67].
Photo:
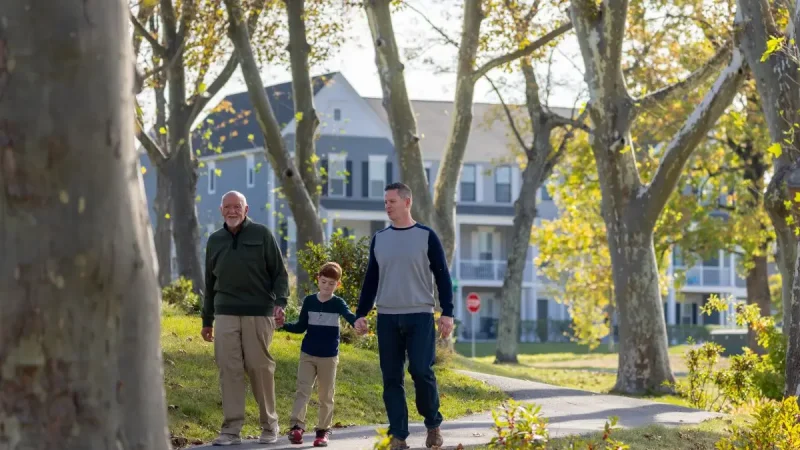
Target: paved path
[569, 411]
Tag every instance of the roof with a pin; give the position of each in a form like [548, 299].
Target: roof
[490, 137]
[232, 122]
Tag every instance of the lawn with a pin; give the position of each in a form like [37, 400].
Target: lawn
[195, 408]
[562, 364]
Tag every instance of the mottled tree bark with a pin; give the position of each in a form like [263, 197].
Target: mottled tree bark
[163, 231]
[630, 209]
[79, 328]
[777, 80]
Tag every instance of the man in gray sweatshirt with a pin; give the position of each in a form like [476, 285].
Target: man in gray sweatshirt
[406, 262]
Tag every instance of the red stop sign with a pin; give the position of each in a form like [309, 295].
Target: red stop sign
[473, 302]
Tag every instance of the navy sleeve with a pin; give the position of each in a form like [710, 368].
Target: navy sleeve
[302, 322]
[345, 312]
[370, 287]
[441, 273]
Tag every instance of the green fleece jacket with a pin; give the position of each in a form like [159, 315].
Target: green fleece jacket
[245, 273]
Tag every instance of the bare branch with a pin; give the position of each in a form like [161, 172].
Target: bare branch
[198, 102]
[688, 84]
[525, 51]
[142, 31]
[561, 121]
[579, 123]
[187, 16]
[439, 30]
[719, 97]
[154, 151]
[510, 117]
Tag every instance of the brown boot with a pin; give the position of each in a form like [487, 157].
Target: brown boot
[434, 438]
[397, 444]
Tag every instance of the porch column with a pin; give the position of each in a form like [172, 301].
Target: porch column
[523, 313]
[329, 227]
[456, 274]
[671, 294]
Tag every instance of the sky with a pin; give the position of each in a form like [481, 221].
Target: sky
[356, 61]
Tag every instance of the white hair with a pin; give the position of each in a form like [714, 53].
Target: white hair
[236, 193]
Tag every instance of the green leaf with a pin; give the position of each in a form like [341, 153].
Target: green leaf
[775, 150]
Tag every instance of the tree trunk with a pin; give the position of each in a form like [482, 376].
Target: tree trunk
[309, 224]
[182, 172]
[511, 292]
[163, 232]
[792, 386]
[643, 357]
[76, 278]
[306, 121]
[405, 136]
[758, 294]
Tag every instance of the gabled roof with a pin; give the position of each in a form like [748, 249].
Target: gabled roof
[230, 124]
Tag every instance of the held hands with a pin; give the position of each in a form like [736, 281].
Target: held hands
[361, 326]
[280, 316]
[445, 326]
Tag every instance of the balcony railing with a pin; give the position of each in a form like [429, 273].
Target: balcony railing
[712, 276]
[489, 270]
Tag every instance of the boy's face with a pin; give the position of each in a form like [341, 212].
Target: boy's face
[327, 285]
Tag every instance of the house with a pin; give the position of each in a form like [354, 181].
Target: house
[355, 145]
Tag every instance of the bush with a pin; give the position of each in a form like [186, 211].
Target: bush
[775, 428]
[180, 294]
[351, 254]
[750, 378]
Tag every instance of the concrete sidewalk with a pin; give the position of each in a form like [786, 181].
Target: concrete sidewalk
[569, 412]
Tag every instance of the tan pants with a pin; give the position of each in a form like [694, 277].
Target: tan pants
[322, 370]
[241, 344]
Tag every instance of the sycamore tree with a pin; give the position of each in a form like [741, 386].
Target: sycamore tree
[314, 31]
[478, 54]
[185, 43]
[767, 38]
[631, 206]
[79, 328]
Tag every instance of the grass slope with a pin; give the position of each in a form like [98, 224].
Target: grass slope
[195, 405]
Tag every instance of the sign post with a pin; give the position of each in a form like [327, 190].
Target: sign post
[473, 306]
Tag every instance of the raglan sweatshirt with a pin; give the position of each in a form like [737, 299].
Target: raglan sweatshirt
[404, 266]
[320, 321]
[245, 273]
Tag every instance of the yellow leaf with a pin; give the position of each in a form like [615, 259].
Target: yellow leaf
[251, 137]
[202, 164]
[201, 88]
[167, 216]
[144, 170]
[299, 116]
[162, 130]
[797, 197]
[775, 150]
[218, 172]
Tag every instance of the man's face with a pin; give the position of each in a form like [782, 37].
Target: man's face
[396, 207]
[233, 210]
[326, 285]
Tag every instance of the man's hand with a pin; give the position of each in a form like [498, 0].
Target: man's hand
[361, 326]
[208, 334]
[445, 326]
[280, 316]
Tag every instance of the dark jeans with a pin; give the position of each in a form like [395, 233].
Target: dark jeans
[415, 334]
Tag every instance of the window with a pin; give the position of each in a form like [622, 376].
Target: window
[212, 177]
[251, 171]
[337, 114]
[377, 175]
[502, 184]
[337, 174]
[486, 245]
[468, 177]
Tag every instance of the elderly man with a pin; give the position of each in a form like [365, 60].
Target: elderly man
[406, 260]
[246, 290]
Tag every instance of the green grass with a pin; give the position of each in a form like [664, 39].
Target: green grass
[192, 385]
[562, 364]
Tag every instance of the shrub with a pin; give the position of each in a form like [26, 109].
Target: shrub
[775, 428]
[180, 294]
[749, 378]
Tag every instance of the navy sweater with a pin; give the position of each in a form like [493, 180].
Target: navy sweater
[320, 321]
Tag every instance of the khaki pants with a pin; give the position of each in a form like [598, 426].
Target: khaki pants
[322, 370]
[241, 344]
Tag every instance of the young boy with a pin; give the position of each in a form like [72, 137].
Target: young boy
[319, 353]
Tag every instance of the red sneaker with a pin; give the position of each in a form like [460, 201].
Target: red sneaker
[296, 435]
[322, 438]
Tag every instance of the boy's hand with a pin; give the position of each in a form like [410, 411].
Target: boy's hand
[279, 315]
[361, 326]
